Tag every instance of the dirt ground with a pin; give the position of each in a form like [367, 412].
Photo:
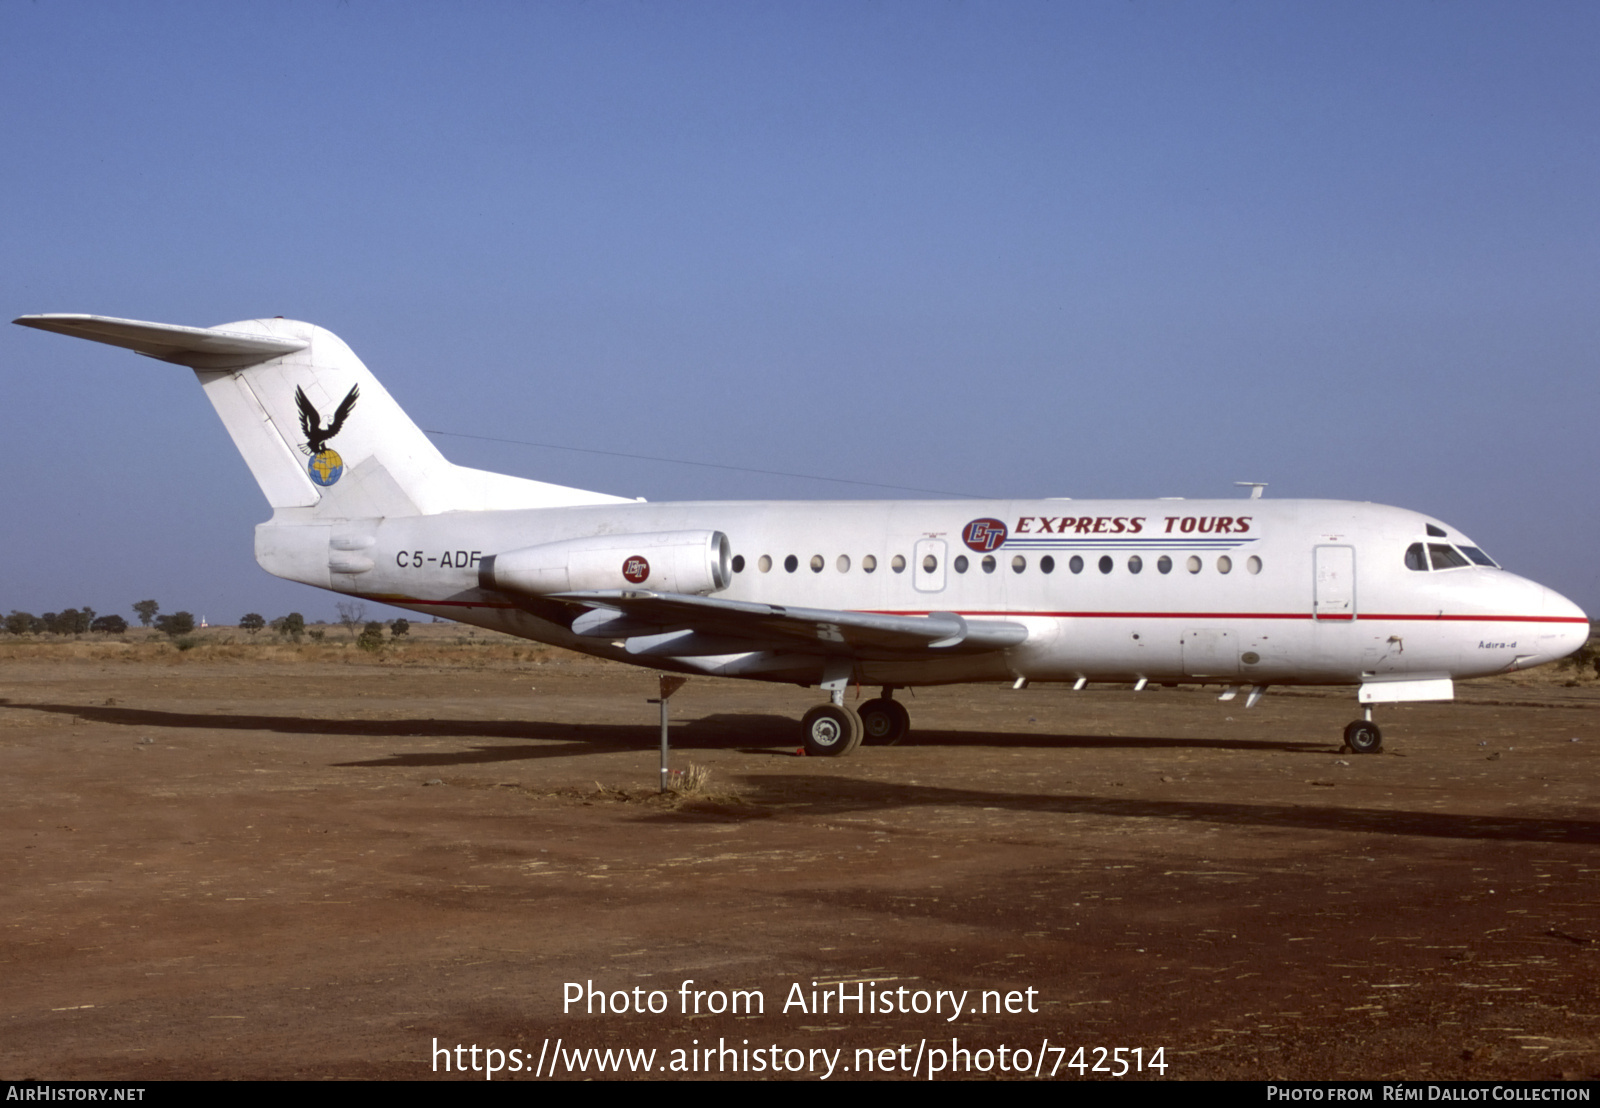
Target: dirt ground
[282, 863]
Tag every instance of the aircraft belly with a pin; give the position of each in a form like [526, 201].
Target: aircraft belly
[1111, 650]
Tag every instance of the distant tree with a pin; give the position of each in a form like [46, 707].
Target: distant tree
[70, 622]
[351, 615]
[251, 622]
[21, 623]
[147, 610]
[291, 626]
[178, 623]
[400, 627]
[111, 625]
[371, 637]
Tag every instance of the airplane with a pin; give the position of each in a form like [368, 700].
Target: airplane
[1243, 593]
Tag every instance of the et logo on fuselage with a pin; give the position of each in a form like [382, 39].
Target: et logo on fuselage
[984, 535]
[635, 570]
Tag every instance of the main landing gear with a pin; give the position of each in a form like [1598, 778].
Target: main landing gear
[1363, 736]
[835, 729]
[885, 719]
[831, 730]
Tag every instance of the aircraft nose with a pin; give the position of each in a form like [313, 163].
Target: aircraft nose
[1566, 636]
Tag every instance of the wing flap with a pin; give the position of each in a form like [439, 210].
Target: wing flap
[196, 347]
[640, 613]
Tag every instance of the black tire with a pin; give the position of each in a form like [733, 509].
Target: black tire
[1363, 737]
[884, 721]
[830, 731]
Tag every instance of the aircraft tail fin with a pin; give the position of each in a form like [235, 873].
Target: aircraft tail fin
[314, 425]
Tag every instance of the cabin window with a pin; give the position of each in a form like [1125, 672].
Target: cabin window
[929, 564]
[1106, 563]
[1164, 564]
[1047, 564]
[765, 564]
[1076, 565]
[816, 563]
[1254, 564]
[869, 563]
[1479, 557]
[1135, 563]
[791, 563]
[738, 563]
[1416, 557]
[843, 563]
[1193, 564]
[960, 564]
[1018, 564]
[898, 564]
[988, 563]
[1445, 557]
[1224, 564]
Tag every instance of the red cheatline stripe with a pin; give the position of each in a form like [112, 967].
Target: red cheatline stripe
[1430, 617]
[1433, 618]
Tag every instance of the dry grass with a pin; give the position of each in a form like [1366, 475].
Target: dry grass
[427, 644]
[688, 781]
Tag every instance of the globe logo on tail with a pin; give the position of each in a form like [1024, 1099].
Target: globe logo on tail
[326, 466]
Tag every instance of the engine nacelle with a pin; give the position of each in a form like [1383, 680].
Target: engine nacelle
[662, 561]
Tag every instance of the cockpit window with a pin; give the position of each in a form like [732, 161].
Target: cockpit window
[1435, 531]
[1445, 557]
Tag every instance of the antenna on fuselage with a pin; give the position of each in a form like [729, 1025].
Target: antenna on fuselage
[1255, 488]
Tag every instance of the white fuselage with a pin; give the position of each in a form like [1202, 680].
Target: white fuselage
[1231, 591]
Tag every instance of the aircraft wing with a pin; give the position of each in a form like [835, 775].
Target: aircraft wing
[682, 624]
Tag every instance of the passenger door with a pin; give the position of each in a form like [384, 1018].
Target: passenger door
[1334, 584]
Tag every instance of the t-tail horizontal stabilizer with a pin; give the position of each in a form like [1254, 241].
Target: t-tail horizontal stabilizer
[196, 347]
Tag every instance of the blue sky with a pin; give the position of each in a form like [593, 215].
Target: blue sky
[1019, 249]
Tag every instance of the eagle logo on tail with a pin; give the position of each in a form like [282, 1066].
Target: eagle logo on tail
[326, 466]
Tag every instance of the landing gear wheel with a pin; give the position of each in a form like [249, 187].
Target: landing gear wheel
[1363, 737]
[830, 731]
[886, 721]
